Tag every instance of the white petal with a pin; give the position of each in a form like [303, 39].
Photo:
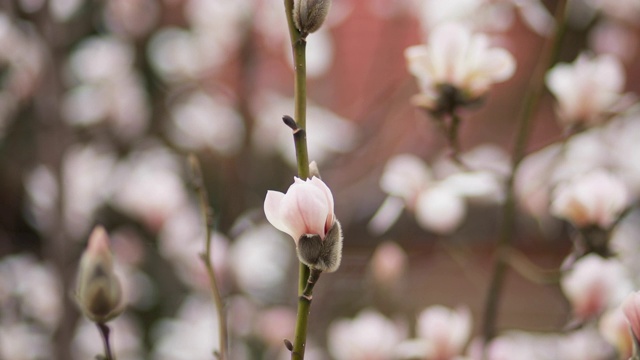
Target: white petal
[272, 205]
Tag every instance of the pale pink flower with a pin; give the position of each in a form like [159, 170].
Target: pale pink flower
[388, 263]
[369, 336]
[595, 284]
[446, 331]
[458, 58]
[440, 209]
[631, 308]
[614, 328]
[306, 208]
[587, 90]
[597, 198]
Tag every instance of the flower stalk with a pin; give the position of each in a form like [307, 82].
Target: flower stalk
[104, 333]
[535, 91]
[298, 45]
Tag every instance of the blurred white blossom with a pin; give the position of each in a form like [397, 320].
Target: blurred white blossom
[588, 90]
[37, 288]
[106, 87]
[595, 284]
[202, 121]
[86, 176]
[458, 58]
[260, 261]
[368, 336]
[191, 335]
[597, 198]
[443, 332]
[148, 186]
[180, 241]
[24, 341]
[484, 15]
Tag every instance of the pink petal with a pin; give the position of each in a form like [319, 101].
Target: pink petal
[272, 206]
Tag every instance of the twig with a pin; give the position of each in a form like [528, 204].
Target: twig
[299, 45]
[207, 215]
[532, 98]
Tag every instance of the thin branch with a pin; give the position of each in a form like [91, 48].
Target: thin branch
[535, 91]
[207, 215]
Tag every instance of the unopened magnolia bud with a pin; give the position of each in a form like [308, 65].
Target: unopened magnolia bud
[308, 15]
[98, 289]
[322, 254]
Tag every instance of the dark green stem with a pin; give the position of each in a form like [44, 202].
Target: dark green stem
[104, 333]
[535, 91]
[207, 215]
[298, 45]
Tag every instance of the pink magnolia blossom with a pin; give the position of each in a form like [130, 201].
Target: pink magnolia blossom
[587, 90]
[614, 328]
[306, 208]
[597, 198]
[446, 331]
[594, 285]
[459, 58]
[631, 308]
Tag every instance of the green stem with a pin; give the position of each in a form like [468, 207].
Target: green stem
[207, 215]
[299, 45]
[532, 98]
[104, 333]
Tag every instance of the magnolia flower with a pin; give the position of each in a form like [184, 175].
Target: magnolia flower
[595, 284]
[305, 212]
[456, 67]
[614, 328]
[587, 90]
[368, 336]
[99, 293]
[597, 198]
[631, 309]
[444, 330]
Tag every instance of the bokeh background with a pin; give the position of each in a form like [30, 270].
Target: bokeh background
[101, 101]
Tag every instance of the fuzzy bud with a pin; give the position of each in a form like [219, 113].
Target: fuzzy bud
[308, 15]
[99, 293]
[322, 254]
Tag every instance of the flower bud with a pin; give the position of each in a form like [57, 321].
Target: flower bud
[98, 290]
[322, 254]
[308, 15]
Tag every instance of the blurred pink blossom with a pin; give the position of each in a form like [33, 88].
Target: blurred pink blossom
[614, 328]
[445, 331]
[631, 308]
[597, 198]
[595, 284]
[457, 57]
[368, 336]
[587, 90]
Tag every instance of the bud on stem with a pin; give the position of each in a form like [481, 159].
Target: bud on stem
[98, 290]
[309, 15]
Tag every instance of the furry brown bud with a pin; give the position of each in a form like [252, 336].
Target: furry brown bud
[308, 15]
[322, 254]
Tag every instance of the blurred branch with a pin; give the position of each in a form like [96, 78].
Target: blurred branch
[207, 215]
[532, 98]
